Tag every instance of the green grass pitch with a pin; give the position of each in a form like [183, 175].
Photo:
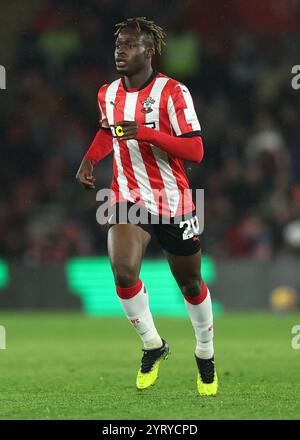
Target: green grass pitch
[69, 366]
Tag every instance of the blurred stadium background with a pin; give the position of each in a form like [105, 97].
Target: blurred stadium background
[236, 58]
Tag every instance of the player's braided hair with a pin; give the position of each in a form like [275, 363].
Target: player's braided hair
[143, 25]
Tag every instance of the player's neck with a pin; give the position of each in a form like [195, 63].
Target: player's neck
[136, 81]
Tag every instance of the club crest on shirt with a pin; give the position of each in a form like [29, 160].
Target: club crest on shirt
[147, 103]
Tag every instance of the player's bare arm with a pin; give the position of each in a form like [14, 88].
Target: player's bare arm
[100, 148]
[85, 174]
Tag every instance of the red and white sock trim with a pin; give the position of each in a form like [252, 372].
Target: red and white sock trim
[129, 292]
[195, 300]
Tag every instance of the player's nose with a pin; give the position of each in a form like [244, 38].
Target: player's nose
[121, 54]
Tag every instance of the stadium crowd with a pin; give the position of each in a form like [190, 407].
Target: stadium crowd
[241, 84]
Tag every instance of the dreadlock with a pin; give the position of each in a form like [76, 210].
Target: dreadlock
[143, 25]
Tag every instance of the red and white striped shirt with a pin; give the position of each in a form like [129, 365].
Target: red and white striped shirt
[143, 173]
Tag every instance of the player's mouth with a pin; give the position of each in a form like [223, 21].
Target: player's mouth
[121, 63]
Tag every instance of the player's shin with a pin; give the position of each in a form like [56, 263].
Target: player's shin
[200, 311]
[135, 303]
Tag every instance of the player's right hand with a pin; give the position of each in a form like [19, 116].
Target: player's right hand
[85, 174]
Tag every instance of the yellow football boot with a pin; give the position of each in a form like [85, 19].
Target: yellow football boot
[207, 379]
[148, 373]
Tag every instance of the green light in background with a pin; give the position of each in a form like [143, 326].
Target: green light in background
[4, 274]
[208, 270]
[92, 279]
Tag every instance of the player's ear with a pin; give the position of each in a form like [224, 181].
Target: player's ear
[150, 52]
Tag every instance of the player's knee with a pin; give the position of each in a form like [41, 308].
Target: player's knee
[126, 275]
[191, 287]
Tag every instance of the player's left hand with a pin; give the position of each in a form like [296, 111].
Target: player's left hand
[130, 129]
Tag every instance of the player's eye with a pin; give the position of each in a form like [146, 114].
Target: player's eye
[126, 45]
